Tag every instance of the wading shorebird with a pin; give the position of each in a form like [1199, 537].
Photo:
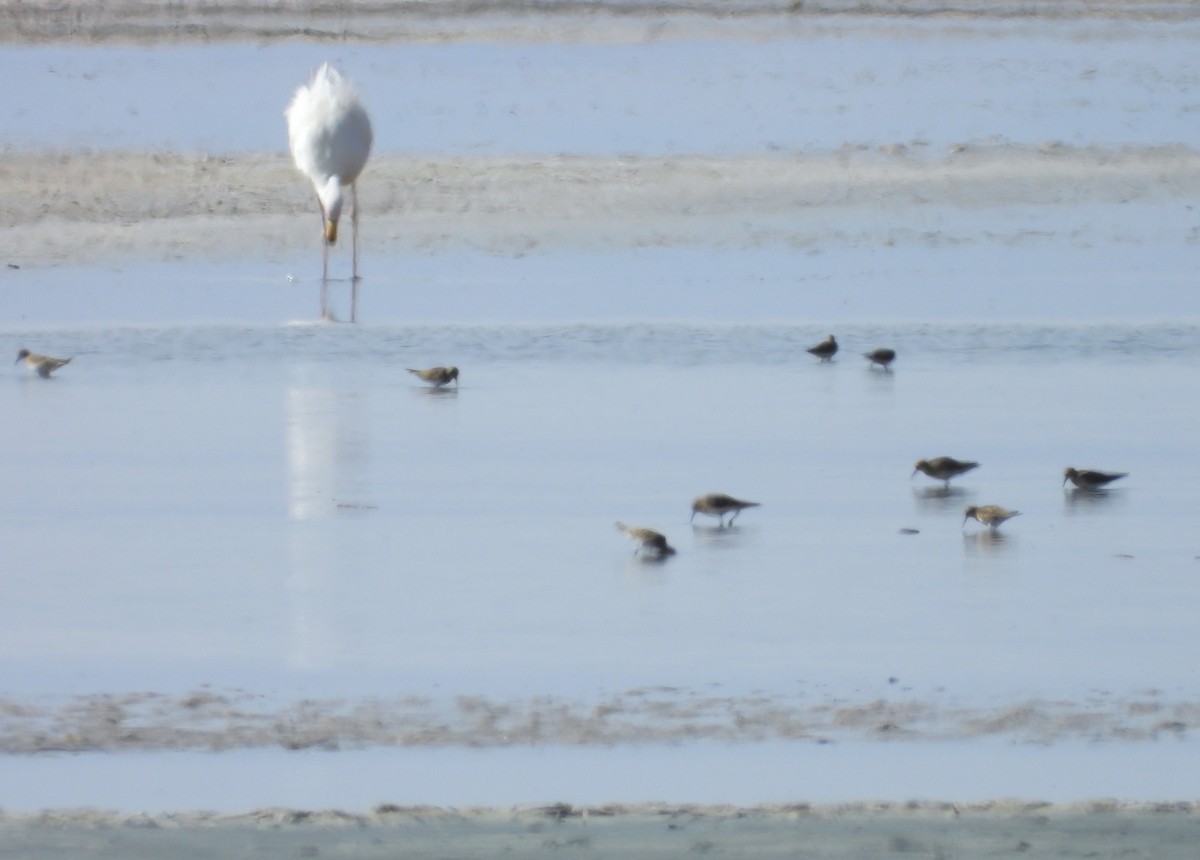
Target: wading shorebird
[654, 543]
[1089, 479]
[718, 505]
[436, 376]
[882, 357]
[42, 365]
[942, 468]
[826, 349]
[990, 515]
[330, 136]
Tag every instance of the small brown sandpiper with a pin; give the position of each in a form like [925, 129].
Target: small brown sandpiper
[883, 357]
[42, 365]
[1090, 479]
[718, 505]
[943, 468]
[826, 349]
[437, 376]
[654, 543]
[990, 515]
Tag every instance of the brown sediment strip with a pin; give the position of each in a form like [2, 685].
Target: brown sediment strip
[215, 720]
[1101, 829]
[74, 207]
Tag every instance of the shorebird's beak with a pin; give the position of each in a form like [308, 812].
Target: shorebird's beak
[914, 474]
[331, 231]
[965, 518]
[1065, 478]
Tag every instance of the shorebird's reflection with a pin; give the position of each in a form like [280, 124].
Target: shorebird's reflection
[436, 393]
[940, 498]
[882, 377]
[649, 559]
[1080, 501]
[716, 536]
[987, 542]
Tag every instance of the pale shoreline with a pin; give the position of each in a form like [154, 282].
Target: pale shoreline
[84, 207]
[1100, 829]
[583, 21]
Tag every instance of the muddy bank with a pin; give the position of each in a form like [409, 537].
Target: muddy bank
[220, 720]
[1099, 830]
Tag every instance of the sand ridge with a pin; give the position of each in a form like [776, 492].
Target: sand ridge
[76, 207]
[207, 719]
[159, 21]
[1100, 829]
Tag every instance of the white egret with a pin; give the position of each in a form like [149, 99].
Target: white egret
[330, 136]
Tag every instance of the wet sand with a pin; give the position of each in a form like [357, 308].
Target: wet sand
[1002, 829]
[84, 207]
[213, 720]
[575, 20]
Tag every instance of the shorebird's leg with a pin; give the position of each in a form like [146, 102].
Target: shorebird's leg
[354, 304]
[735, 516]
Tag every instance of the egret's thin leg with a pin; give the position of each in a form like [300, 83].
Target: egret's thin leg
[354, 226]
[324, 244]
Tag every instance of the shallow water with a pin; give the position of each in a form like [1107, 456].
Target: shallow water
[741, 774]
[254, 501]
[230, 525]
[800, 87]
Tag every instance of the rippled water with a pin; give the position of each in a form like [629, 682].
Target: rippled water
[254, 348]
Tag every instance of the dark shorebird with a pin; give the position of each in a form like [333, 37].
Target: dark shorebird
[718, 505]
[826, 349]
[883, 357]
[654, 543]
[990, 515]
[942, 468]
[1089, 479]
[436, 376]
[42, 365]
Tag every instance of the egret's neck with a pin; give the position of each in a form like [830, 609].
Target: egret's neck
[330, 195]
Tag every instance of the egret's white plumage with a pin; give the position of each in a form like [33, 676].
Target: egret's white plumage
[330, 136]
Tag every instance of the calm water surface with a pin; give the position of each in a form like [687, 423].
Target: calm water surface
[225, 504]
